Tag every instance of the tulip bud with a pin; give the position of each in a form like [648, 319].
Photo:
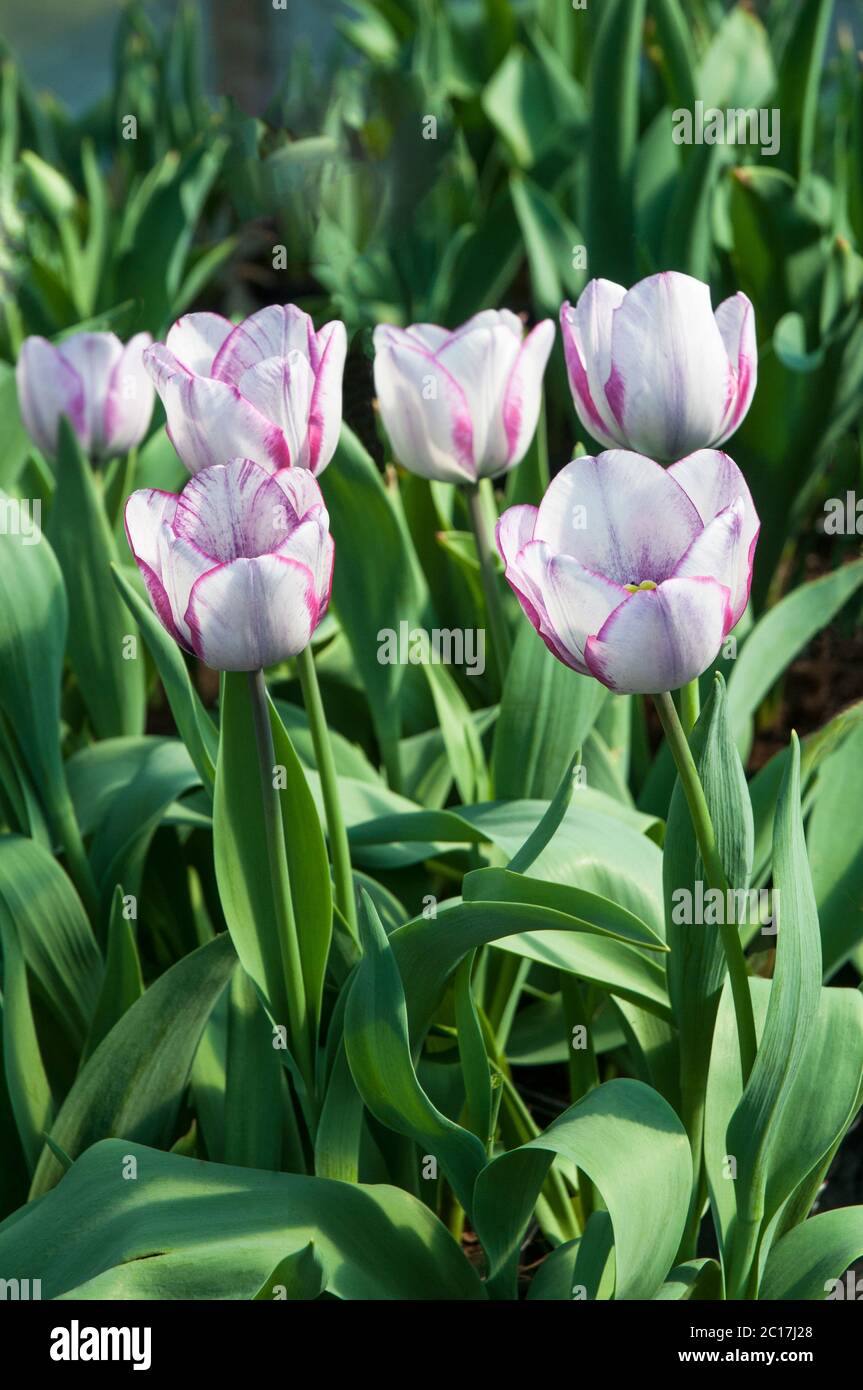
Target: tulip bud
[239, 566]
[100, 385]
[269, 389]
[464, 405]
[653, 369]
[632, 572]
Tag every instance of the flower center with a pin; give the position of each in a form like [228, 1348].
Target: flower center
[645, 584]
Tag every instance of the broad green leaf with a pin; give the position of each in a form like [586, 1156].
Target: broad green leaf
[29, 1089]
[800, 76]
[460, 736]
[359, 508]
[39, 904]
[242, 867]
[253, 1082]
[597, 914]
[613, 140]
[202, 1231]
[299, 1276]
[133, 1083]
[122, 984]
[101, 635]
[779, 636]
[473, 1057]
[193, 722]
[632, 1146]
[429, 949]
[546, 713]
[378, 1050]
[805, 1265]
[790, 1020]
[835, 840]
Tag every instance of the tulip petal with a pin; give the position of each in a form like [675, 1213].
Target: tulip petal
[233, 510]
[586, 331]
[716, 552]
[481, 361]
[93, 356]
[735, 319]
[312, 545]
[713, 481]
[196, 338]
[303, 494]
[182, 563]
[523, 394]
[325, 411]
[252, 613]
[620, 515]
[658, 639]
[209, 421]
[282, 388]
[276, 331]
[671, 381]
[425, 412]
[147, 512]
[578, 604]
[48, 387]
[525, 565]
[129, 402]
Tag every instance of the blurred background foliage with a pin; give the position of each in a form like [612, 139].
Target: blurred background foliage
[422, 159]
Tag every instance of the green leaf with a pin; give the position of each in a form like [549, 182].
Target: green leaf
[27, 1082]
[359, 507]
[550, 241]
[193, 722]
[133, 1083]
[39, 904]
[632, 1146]
[804, 1264]
[790, 1018]
[546, 713]
[460, 736]
[299, 1276]
[779, 636]
[253, 1082]
[473, 1057]
[613, 140]
[597, 914]
[242, 867]
[190, 1230]
[112, 686]
[122, 984]
[835, 842]
[378, 1051]
[799, 84]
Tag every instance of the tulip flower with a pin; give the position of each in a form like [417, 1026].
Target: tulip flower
[269, 389]
[101, 386]
[460, 406]
[631, 572]
[239, 566]
[654, 369]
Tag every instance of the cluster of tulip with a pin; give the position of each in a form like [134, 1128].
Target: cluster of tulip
[630, 571]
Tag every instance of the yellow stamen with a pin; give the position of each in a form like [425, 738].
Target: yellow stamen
[645, 584]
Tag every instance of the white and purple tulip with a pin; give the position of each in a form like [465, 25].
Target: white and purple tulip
[632, 572]
[269, 388]
[463, 405]
[654, 369]
[99, 384]
[239, 566]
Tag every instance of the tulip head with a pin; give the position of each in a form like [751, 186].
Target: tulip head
[99, 384]
[631, 572]
[461, 406]
[239, 566]
[268, 389]
[654, 369]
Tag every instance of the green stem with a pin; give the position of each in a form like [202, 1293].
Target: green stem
[581, 1064]
[713, 868]
[690, 705]
[322, 744]
[494, 607]
[283, 906]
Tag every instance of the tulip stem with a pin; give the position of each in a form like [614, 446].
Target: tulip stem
[715, 871]
[280, 884]
[322, 744]
[690, 705]
[491, 590]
